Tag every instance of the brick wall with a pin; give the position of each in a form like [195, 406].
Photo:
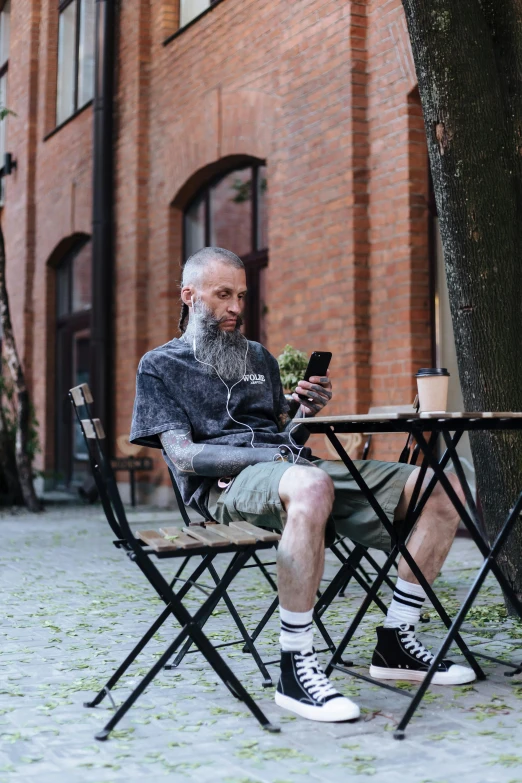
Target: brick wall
[325, 93]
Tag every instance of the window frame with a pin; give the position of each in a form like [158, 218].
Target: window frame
[205, 191]
[62, 5]
[4, 67]
[180, 30]
[256, 259]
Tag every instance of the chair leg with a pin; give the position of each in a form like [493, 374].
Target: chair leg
[369, 597]
[264, 571]
[214, 659]
[342, 543]
[264, 620]
[180, 570]
[267, 682]
[347, 572]
[191, 628]
[105, 691]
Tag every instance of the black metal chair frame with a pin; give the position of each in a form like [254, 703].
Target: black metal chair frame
[139, 553]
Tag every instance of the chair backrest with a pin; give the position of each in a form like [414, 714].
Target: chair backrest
[94, 436]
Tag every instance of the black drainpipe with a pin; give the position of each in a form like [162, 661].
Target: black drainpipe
[101, 362]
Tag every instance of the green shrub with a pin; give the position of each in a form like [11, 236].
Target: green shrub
[292, 366]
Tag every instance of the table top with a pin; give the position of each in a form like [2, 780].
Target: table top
[425, 415]
[401, 421]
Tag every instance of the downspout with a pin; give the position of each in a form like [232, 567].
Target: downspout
[101, 360]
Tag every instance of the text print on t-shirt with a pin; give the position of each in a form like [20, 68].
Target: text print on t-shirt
[253, 378]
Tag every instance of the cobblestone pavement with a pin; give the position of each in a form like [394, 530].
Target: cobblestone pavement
[74, 606]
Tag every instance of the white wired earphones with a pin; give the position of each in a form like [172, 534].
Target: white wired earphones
[229, 389]
[229, 393]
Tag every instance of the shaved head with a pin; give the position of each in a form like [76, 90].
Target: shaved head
[195, 266]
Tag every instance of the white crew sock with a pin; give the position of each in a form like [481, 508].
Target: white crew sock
[297, 630]
[406, 605]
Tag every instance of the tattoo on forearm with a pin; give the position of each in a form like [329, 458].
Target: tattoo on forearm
[181, 449]
[204, 459]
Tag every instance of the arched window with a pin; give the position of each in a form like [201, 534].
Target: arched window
[231, 212]
[73, 323]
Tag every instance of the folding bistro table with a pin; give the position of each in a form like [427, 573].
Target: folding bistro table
[426, 430]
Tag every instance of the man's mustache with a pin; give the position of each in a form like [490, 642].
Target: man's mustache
[239, 320]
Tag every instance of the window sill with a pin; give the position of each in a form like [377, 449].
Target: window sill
[192, 22]
[68, 120]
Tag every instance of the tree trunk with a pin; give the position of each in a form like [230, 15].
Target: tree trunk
[22, 456]
[468, 60]
[10, 491]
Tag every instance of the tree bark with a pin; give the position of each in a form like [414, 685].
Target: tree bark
[10, 491]
[22, 456]
[468, 58]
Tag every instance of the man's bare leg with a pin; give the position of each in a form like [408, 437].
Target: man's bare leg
[434, 531]
[399, 655]
[307, 494]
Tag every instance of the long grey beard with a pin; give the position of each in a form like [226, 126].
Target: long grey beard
[224, 352]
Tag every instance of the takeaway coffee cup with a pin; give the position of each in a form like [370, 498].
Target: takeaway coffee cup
[432, 385]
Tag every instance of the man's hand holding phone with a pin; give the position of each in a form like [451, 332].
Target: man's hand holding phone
[315, 391]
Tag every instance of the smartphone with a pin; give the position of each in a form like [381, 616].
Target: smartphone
[317, 365]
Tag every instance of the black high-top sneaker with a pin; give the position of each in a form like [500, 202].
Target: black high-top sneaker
[305, 689]
[400, 656]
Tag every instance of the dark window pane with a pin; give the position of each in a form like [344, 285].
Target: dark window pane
[5, 16]
[66, 63]
[195, 227]
[3, 123]
[86, 52]
[189, 9]
[262, 217]
[81, 283]
[80, 375]
[62, 290]
[231, 212]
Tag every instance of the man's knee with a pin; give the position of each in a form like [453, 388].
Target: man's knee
[308, 489]
[438, 503]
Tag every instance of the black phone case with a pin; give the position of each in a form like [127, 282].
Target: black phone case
[317, 365]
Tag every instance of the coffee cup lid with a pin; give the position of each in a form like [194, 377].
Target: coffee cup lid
[426, 371]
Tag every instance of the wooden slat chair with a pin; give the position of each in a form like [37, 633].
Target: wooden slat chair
[146, 548]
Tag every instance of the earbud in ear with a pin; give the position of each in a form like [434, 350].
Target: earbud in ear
[192, 301]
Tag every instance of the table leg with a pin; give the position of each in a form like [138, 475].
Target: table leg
[464, 609]
[402, 548]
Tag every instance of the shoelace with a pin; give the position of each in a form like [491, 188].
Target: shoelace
[414, 646]
[312, 676]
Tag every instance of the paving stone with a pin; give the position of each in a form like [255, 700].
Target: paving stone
[74, 607]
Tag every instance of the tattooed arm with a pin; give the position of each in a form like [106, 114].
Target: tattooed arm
[317, 392]
[205, 459]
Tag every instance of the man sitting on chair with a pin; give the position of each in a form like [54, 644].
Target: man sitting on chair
[213, 401]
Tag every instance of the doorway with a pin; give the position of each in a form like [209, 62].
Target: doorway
[73, 336]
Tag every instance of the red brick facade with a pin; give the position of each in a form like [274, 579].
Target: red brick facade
[325, 93]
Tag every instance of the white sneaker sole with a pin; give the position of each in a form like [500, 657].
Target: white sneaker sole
[333, 711]
[457, 675]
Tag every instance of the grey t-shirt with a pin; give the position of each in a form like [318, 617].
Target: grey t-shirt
[175, 392]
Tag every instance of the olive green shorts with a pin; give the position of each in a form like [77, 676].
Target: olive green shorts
[254, 496]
